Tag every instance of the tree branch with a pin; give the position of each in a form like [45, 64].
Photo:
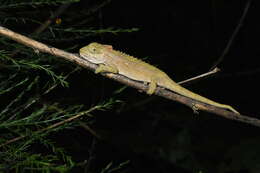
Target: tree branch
[75, 58]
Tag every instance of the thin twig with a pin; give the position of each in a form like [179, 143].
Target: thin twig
[233, 36]
[150, 99]
[215, 70]
[123, 79]
[91, 155]
[60, 10]
[90, 130]
[50, 127]
[42, 27]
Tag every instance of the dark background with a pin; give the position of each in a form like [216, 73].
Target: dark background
[184, 38]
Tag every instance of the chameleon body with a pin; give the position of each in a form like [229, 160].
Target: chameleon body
[110, 60]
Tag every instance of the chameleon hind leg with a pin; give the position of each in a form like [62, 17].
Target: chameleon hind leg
[106, 68]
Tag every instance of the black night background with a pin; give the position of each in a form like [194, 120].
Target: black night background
[136, 132]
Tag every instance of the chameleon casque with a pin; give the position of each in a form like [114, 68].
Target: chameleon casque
[110, 60]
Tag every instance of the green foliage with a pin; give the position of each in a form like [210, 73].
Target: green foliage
[37, 162]
[79, 33]
[109, 168]
[30, 114]
[32, 3]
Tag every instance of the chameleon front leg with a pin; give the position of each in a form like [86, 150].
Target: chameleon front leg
[151, 87]
[106, 68]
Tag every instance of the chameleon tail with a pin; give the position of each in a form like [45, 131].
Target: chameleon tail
[187, 93]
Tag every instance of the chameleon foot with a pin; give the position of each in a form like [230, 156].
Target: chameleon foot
[195, 108]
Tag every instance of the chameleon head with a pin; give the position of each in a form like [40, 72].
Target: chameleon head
[93, 53]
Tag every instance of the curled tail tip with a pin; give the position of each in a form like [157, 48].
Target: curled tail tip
[230, 108]
[236, 112]
[233, 110]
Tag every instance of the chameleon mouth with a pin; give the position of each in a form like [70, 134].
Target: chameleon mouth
[91, 58]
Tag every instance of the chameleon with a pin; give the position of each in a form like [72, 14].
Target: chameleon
[113, 61]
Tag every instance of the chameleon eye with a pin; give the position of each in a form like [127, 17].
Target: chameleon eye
[95, 50]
